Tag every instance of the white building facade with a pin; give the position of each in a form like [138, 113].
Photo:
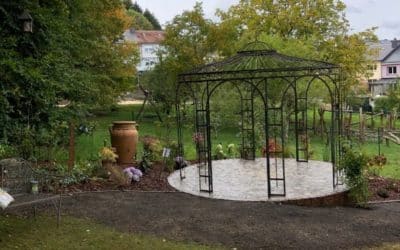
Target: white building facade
[149, 45]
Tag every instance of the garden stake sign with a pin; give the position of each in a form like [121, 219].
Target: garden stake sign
[165, 154]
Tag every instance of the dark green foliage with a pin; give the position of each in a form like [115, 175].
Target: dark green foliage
[382, 103]
[184, 52]
[7, 151]
[71, 55]
[137, 8]
[390, 102]
[354, 165]
[139, 21]
[128, 4]
[152, 19]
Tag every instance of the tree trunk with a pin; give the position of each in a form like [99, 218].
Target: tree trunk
[71, 156]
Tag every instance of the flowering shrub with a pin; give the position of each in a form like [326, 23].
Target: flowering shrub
[273, 147]
[107, 154]
[197, 137]
[376, 164]
[379, 160]
[231, 152]
[152, 147]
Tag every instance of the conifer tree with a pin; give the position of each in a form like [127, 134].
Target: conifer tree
[152, 19]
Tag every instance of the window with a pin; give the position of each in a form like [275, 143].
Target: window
[392, 70]
[149, 50]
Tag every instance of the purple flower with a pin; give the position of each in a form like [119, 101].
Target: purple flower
[133, 173]
[137, 172]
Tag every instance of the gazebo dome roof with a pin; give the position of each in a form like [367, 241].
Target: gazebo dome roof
[256, 59]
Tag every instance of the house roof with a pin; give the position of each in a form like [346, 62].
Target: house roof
[384, 49]
[145, 36]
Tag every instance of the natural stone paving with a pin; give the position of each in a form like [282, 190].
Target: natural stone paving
[245, 180]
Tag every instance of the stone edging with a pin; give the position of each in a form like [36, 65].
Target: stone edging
[116, 190]
[383, 202]
[338, 199]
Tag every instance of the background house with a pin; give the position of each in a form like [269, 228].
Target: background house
[386, 67]
[149, 44]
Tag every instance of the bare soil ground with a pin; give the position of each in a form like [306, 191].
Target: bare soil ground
[244, 225]
[380, 187]
[154, 180]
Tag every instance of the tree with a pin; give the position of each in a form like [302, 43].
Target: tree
[187, 44]
[128, 4]
[139, 21]
[152, 19]
[308, 29]
[320, 25]
[73, 54]
[301, 19]
[137, 8]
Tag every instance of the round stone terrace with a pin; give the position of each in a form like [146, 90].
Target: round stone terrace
[246, 180]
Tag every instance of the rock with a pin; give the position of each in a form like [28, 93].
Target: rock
[383, 192]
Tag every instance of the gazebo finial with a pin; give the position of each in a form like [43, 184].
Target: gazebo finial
[256, 45]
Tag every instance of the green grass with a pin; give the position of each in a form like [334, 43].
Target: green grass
[88, 146]
[42, 233]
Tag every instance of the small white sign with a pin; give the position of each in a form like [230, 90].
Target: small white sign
[166, 152]
[5, 199]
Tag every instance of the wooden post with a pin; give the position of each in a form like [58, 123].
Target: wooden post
[71, 156]
[314, 121]
[361, 126]
[321, 112]
[349, 124]
[372, 120]
[391, 120]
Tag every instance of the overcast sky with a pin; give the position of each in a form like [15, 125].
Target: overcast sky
[362, 14]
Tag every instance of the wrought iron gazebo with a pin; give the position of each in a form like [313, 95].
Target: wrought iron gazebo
[256, 72]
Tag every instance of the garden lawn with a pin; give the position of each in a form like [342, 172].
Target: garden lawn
[89, 145]
[42, 233]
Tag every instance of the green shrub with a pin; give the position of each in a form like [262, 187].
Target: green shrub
[152, 147]
[382, 103]
[7, 151]
[81, 171]
[354, 164]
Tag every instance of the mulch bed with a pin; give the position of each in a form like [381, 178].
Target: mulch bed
[380, 187]
[153, 180]
[156, 180]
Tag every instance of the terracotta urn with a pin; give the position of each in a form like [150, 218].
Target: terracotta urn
[124, 138]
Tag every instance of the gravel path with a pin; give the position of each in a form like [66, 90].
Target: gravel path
[244, 225]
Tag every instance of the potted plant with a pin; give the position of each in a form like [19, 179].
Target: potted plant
[108, 157]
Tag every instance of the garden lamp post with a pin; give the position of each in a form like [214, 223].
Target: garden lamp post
[27, 20]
